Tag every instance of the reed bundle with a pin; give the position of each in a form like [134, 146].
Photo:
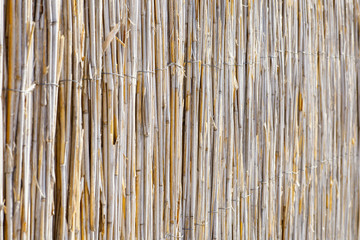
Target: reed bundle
[198, 119]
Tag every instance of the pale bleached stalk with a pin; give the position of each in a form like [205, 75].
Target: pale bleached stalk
[65, 92]
[147, 121]
[195, 84]
[241, 38]
[75, 152]
[28, 74]
[201, 46]
[204, 224]
[38, 176]
[131, 145]
[93, 118]
[140, 132]
[187, 127]
[217, 101]
[167, 204]
[121, 128]
[52, 17]
[159, 129]
[109, 110]
[229, 76]
[21, 73]
[99, 169]
[281, 135]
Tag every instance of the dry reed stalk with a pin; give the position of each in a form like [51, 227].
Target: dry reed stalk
[2, 49]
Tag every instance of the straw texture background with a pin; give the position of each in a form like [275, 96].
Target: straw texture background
[179, 119]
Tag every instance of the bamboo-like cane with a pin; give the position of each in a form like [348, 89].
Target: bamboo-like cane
[9, 154]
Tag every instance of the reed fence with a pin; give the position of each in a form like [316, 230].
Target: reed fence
[170, 119]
